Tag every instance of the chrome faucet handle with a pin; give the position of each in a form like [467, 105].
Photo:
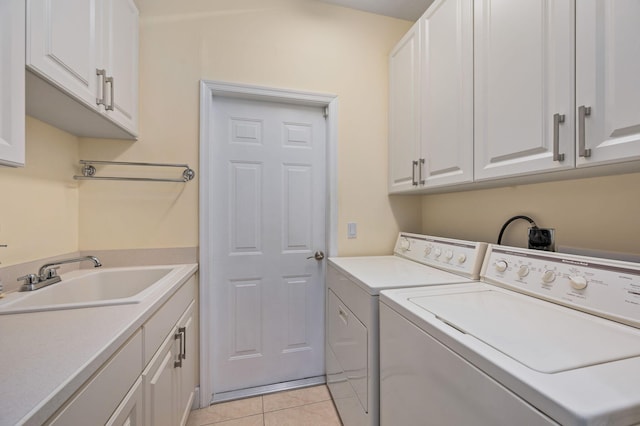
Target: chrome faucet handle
[50, 273]
[29, 279]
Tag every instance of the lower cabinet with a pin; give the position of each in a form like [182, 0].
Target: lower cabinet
[169, 378]
[128, 390]
[130, 410]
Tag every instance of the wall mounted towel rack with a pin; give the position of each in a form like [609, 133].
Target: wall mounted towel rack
[89, 171]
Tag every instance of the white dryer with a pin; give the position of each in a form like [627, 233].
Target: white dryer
[353, 285]
[547, 338]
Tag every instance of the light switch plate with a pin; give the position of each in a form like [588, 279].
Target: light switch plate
[352, 230]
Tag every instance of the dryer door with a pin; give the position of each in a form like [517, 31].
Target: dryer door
[347, 338]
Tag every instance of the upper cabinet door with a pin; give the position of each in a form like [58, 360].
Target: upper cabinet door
[120, 46]
[447, 92]
[404, 107]
[12, 131]
[62, 45]
[607, 81]
[524, 73]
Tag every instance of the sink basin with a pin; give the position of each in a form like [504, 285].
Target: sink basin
[88, 288]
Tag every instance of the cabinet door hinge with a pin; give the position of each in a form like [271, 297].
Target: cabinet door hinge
[325, 113]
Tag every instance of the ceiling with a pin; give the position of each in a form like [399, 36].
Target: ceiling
[410, 10]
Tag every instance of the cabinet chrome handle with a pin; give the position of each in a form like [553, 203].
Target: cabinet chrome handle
[420, 170]
[179, 335]
[557, 119]
[414, 165]
[183, 331]
[343, 315]
[103, 74]
[583, 112]
[109, 80]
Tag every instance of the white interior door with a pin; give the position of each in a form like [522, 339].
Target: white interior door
[268, 196]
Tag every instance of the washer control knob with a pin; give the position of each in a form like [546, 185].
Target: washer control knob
[462, 258]
[405, 244]
[501, 265]
[548, 276]
[523, 271]
[427, 250]
[449, 255]
[438, 252]
[578, 282]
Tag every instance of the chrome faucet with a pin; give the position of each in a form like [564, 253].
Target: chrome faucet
[48, 275]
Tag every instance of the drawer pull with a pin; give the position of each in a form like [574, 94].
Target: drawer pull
[557, 120]
[343, 315]
[183, 330]
[180, 335]
[109, 80]
[102, 74]
[583, 113]
[414, 165]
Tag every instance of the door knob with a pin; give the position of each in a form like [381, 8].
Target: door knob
[317, 256]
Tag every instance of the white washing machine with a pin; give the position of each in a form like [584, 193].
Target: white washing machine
[546, 338]
[353, 285]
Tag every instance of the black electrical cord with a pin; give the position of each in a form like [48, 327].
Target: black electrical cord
[527, 218]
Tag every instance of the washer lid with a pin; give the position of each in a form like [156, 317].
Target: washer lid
[545, 337]
[376, 273]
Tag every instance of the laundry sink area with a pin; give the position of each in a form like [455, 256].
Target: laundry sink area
[89, 288]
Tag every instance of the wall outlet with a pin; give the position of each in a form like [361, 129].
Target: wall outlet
[542, 239]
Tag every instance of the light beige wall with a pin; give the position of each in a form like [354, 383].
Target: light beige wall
[295, 44]
[39, 208]
[600, 213]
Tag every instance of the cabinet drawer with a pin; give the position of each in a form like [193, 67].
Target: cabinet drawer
[100, 397]
[159, 325]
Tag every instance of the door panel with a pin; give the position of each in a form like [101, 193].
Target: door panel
[523, 75]
[404, 107]
[607, 69]
[447, 92]
[298, 290]
[61, 44]
[245, 205]
[298, 205]
[121, 60]
[246, 317]
[12, 83]
[269, 169]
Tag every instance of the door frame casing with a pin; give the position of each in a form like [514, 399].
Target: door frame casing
[208, 90]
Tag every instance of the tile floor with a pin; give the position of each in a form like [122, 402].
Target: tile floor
[301, 407]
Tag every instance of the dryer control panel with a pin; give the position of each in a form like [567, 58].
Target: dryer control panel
[607, 288]
[457, 256]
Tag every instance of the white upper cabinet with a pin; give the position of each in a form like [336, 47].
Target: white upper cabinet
[120, 47]
[523, 87]
[12, 130]
[83, 61]
[607, 81]
[404, 106]
[447, 93]
[431, 100]
[63, 45]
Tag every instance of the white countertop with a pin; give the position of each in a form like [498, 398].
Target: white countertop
[47, 356]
